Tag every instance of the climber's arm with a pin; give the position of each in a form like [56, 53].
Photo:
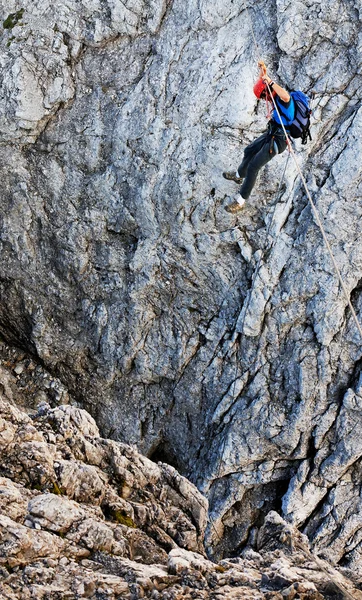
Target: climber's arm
[281, 92]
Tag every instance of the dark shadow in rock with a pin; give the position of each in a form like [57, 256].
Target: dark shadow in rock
[165, 454]
[249, 513]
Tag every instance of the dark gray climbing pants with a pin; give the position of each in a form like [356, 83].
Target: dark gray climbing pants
[258, 154]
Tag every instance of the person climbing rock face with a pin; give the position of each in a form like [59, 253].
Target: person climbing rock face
[264, 148]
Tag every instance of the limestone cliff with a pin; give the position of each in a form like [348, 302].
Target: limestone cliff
[121, 272]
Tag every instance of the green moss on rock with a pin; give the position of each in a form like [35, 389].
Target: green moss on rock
[13, 19]
[57, 490]
[37, 486]
[122, 518]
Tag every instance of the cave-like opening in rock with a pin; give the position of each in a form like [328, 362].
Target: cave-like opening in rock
[164, 453]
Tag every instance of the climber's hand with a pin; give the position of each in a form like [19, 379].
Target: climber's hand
[262, 67]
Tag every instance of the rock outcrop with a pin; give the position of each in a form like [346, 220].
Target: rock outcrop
[123, 275]
[86, 517]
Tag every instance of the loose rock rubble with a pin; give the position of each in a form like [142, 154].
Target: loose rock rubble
[86, 517]
[26, 382]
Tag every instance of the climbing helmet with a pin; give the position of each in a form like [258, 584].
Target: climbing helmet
[260, 89]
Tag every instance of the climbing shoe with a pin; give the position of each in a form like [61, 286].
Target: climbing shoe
[235, 206]
[232, 176]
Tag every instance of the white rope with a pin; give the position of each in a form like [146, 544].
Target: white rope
[316, 214]
[314, 208]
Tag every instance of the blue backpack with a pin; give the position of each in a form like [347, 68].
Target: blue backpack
[299, 126]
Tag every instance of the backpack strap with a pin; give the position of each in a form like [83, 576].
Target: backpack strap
[306, 134]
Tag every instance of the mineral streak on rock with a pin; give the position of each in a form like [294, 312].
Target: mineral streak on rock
[122, 274]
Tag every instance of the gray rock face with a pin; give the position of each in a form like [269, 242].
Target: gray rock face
[121, 271]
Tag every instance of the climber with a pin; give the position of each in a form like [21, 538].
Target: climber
[264, 148]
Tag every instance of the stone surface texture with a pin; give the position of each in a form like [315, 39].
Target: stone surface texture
[86, 517]
[220, 345]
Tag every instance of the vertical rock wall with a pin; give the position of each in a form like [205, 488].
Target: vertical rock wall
[121, 271]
